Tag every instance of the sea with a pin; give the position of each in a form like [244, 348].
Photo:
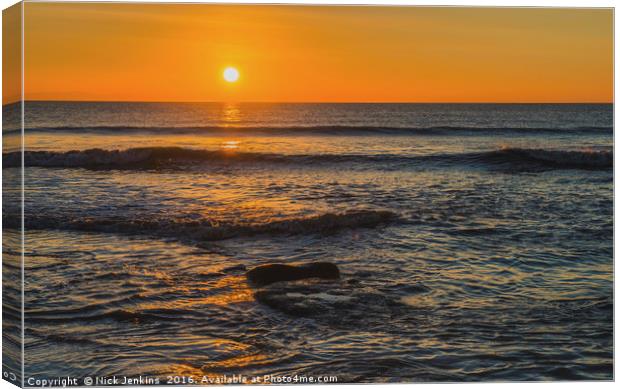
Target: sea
[474, 241]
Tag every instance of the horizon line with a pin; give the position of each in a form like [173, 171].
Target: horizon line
[303, 102]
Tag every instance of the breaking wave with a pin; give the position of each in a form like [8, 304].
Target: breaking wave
[170, 157]
[207, 230]
[576, 159]
[134, 157]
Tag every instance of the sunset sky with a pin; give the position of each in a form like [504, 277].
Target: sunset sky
[157, 52]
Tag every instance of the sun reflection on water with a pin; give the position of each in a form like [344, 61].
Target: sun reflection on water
[230, 114]
[230, 145]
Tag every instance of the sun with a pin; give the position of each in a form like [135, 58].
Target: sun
[231, 74]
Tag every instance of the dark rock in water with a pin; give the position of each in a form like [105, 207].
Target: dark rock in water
[276, 272]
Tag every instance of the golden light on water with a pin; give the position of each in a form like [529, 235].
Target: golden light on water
[231, 114]
[230, 145]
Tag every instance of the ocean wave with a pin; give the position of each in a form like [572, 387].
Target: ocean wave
[134, 157]
[170, 157]
[100, 312]
[207, 230]
[337, 130]
[567, 159]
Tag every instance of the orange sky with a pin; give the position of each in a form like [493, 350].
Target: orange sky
[11, 54]
[159, 52]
